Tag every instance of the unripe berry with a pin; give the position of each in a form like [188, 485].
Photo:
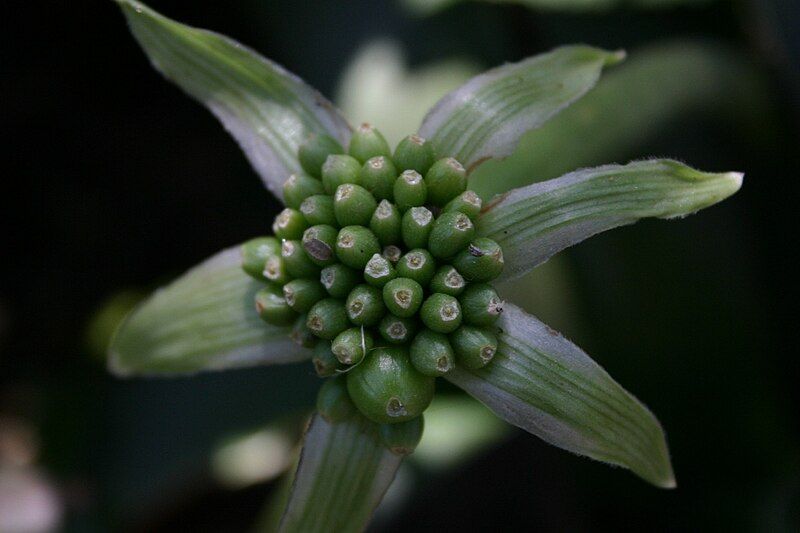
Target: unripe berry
[450, 234]
[333, 400]
[319, 243]
[445, 180]
[467, 202]
[418, 265]
[431, 353]
[298, 187]
[318, 209]
[403, 297]
[409, 190]
[402, 438]
[301, 294]
[297, 262]
[441, 313]
[355, 245]
[300, 333]
[289, 224]
[416, 227]
[313, 153]
[480, 304]
[353, 205]
[338, 170]
[385, 223]
[379, 271]
[255, 253]
[272, 307]
[367, 142]
[447, 280]
[324, 361]
[365, 305]
[377, 176]
[339, 280]
[474, 346]
[387, 389]
[392, 253]
[482, 260]
[327, 318]
[351, 345]
[397, 330]
[414, 153]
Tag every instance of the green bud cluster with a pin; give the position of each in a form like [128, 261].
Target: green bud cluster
[375, 263]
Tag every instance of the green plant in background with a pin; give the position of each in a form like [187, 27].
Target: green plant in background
[381, 266]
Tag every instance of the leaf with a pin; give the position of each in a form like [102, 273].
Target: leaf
[205, 320]
[631, 106]
[343, 474]
[429, 7]
[544, 384]
[535, 222]
[267, 109]
[485, 117]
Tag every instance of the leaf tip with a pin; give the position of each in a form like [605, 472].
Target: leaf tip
[615, 57]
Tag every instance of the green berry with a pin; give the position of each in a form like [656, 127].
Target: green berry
[272, 307]
[385, 223]
[387, 389]
[351, 345]
[255, 253]
[431, 353]
[323, 359]
[319, 243]
[299, 187]
[403, 297]
[445, 180]
[418, 265]
[467, 202]
[397, 330]
[313, 153]
[339, 280]
[441, 313]
[414, 153]
[367, 142]
[482, 260]
[379, 271]
[297, 262]
[355, 245]
[353, 205]
[416, 227]
[327, 318]
[480, 304]
[377, 176]
[447, 280]
[409, 190]
[301, 294]
[301, 335]
[289, 224]
[318, 209]
[333, 400]
[392, 253]
[338, 170]
[365, 305]
[402, 438]
[451, 233]
[275, 270]
[474, 346]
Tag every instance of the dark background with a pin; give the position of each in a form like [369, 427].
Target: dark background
[114, 180]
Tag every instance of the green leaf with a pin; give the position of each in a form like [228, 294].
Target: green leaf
[485, 117]
[205, 320]
[343, 474]
[632, 105]
[544, 384]
[535, 222]
[267, 109]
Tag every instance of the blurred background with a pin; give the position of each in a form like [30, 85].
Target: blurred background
[118, 182]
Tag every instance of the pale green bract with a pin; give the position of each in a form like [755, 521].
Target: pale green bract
[546, 385]
[267, 109]
[533, 223]
[204, 320]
